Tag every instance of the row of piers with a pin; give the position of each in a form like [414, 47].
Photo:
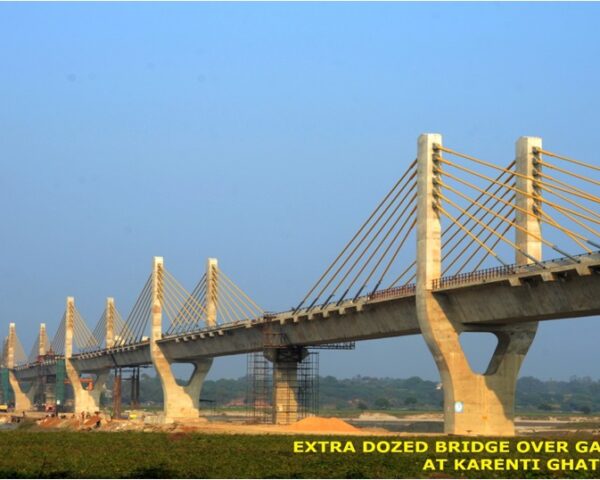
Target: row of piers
[473, 403]
[181, 402]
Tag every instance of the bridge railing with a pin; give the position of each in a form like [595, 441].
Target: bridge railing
[476, 276]
[404, 290]
[503, 271]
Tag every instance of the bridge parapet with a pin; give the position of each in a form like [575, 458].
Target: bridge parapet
[547, 270]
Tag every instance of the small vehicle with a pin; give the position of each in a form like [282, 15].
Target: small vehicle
[3, 407]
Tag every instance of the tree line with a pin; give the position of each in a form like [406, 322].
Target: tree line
[578, 394]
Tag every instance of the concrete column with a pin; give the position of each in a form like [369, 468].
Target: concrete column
[110, 322]
[212, 270]
[69, 326]
[23, 400]
[181, 402]
[10, 347]
[43, 339]
[285, 392]
[526, 165]
[429, 229]
[285, 382]
[474, 404]
[84, 400]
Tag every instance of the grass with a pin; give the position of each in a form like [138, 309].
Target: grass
[26, 454]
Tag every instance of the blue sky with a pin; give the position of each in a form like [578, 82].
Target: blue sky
[263, 134]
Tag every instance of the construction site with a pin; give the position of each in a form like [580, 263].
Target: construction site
[52, 392]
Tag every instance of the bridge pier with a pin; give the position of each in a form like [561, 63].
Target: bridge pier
[84, 400]
[285, 382]
[474, 404]
[23, 399]
[181, 402]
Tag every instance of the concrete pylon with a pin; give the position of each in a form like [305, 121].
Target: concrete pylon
[84, 400]
[181, 402]
[474, 404]
[23, 400]
[212, 271]
[110, 322]
[43, 339]
[527, 201]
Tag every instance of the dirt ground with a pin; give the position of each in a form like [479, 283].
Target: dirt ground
[376, 424]
[316, 425]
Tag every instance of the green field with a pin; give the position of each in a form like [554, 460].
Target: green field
[179, 455]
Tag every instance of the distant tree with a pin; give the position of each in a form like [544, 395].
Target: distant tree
[585, 410]
[344, 393]
[413, 381]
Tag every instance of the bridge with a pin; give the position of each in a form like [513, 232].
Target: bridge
[455, 246]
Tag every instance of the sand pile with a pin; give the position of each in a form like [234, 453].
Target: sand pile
[322, 424]
[92, 421]
[50, 422]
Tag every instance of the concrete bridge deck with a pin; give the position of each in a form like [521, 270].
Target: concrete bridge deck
[564, 289]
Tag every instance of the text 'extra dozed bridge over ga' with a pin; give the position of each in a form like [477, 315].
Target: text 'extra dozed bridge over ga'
[491, 247]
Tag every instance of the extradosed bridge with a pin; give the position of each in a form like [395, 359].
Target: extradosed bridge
[418, 265]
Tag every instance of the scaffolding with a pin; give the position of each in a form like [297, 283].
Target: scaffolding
[336, 346]
[120, 382]
[296, 387]
[308, 385]
[7, 396]
[259, 401]
[292, 385]
[59, 388]
[135, 387]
